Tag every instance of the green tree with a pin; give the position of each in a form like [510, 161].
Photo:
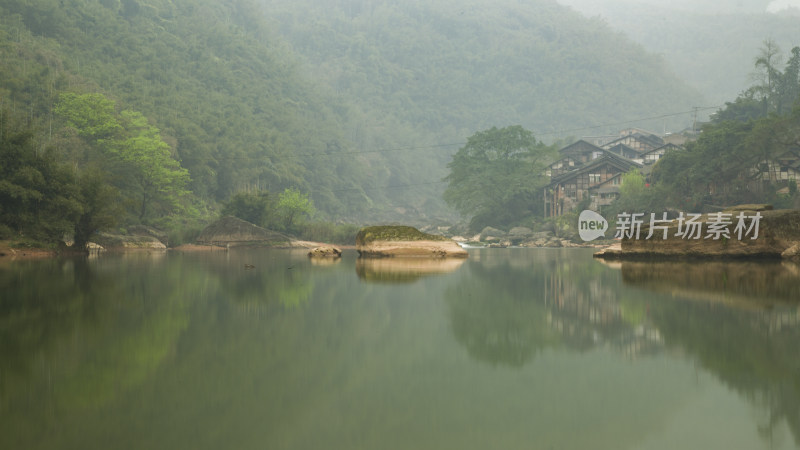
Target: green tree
[92, 115]
[497, 176]
[293, 206]
[633, 183]
[39, 198]
[100, 207]
[159, 178]
[789, 85]
[768, 74]
[637, 196]
[131, 150]
[254, 207]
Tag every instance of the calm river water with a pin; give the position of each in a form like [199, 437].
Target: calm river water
[510, 349]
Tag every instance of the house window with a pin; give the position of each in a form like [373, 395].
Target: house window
[594, 178]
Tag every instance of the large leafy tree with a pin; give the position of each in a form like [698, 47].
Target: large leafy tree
[100, 208]
[132, 150]
[777, 90]
[159, 178]
[294, 206]
[496, 178]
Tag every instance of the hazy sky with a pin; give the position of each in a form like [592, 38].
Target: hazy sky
[778, 5]
[703, 6]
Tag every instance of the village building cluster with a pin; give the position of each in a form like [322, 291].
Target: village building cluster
[592, 168]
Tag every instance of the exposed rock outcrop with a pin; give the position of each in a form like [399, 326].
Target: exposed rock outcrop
[114, 242]
[232, 231]
[142, 230]
[520, 234]
[490, 234]
[325, 252]
[778, 236]
[389, 241]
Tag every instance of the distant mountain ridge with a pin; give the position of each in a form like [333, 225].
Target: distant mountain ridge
[710, 45]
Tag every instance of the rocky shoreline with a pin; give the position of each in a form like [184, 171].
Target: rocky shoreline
[741, 232]
[521, 237]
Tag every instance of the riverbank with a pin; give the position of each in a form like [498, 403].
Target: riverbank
[9, 251]
[296, 244]
[739, 232]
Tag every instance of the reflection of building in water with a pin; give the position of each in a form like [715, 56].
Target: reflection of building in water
[592, 315]
[643, 340]
[771, 322]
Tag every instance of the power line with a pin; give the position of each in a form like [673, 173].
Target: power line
[394, 186]
[693, 111]
[626, 122]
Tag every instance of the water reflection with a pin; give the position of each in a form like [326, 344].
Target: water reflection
[738, 283]
[739, 320]
[513, 305]
[403, 270]
[513, 348]
[75, 336]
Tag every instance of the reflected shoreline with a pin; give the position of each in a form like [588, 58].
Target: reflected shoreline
[744, 284]
[404, 270]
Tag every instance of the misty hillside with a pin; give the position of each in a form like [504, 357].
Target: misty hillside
[454, 67]
[711, 45]
[359, 103]
[225, 94]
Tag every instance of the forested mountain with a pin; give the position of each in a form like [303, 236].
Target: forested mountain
[358, 103]
[455, 67]
[708, 44]
[225, 95]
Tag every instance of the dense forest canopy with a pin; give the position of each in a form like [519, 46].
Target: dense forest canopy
[455, 67]
[225, 95]
[358, 104]
[421, 73]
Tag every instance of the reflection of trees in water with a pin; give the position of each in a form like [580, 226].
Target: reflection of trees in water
[508, 310]
[511, 308]
[755, 352]
[497, 326]
[76, 334]
[259, 284]
[739, 320]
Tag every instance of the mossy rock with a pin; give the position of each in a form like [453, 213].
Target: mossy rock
[367, 235]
